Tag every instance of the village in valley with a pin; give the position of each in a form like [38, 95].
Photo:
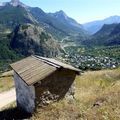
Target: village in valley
[92, 59]
[91, 63]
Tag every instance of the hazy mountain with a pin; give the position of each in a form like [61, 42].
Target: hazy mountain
[58, 24]
[108, 35]
[62, 16]
[105, 30]
[93, 27]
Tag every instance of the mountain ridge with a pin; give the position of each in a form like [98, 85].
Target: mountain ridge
[63, 17]
[59, 28]
[108, 35]
[95, 26]
[62, 27]
[14, 3]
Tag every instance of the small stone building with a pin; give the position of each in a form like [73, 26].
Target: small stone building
[40, 81]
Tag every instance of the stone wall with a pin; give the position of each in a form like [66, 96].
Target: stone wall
[55, 87]
[25, 94]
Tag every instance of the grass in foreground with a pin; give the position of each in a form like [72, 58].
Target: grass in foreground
[97, 98]
[98, 94]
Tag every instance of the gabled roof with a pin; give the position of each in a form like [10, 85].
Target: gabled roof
[35, 68]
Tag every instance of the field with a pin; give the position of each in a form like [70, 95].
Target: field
[97, 98]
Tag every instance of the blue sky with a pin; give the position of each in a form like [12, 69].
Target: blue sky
[81, 10]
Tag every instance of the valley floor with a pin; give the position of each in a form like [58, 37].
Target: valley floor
[97, 98]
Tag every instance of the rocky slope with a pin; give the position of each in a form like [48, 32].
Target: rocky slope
[30, 39]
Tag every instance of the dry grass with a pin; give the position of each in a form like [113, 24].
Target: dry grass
[98, 94]
[6, 81]
[97, 98]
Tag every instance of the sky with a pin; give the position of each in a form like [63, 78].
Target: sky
[81, 10]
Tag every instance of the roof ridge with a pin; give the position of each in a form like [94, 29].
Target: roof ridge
[46, 61]
[52, 62]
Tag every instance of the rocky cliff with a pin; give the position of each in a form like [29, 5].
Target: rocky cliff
[30, 39]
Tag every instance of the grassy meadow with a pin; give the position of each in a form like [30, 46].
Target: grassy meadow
[97, 98]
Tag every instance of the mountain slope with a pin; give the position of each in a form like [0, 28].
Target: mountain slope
[48, 23]
[105, 30]
[27, 37]
[108, 35]
[95, 26]
[61, 16]
[30, 39]
[58, 24]
[11, 16]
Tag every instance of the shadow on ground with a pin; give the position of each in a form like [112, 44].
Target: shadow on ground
[13, 114]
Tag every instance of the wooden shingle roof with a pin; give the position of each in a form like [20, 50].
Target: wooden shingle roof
[35, 68]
